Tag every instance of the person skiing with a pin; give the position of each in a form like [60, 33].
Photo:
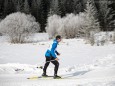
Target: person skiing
[51, 57]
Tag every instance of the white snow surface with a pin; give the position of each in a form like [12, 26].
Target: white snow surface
[80, 64]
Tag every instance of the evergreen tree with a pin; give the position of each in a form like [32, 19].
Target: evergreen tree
[8, 7]
[106, 14]
[78, 6]
[1, 7]
[62, 4]
[92, 23]
[43, 15]
[18, 5]
[54, 8]
[69, 5]
[35, 9]
[26, 8]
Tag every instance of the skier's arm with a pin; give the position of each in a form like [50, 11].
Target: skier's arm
[57, 52]
[53, 49]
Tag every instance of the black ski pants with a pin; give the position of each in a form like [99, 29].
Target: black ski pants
[53, 61]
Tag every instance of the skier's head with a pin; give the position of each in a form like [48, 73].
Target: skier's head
[58, 38]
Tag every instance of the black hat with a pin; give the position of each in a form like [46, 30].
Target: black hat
[58, 37]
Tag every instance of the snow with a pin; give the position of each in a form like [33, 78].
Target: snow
[80, 64]
[105, 37]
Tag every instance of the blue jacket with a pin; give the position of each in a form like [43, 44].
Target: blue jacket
[51, 52]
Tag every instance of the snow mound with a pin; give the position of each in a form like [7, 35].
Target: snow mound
[102, 38]
[16, 68]
[92, 70]
[107, 61]
[38, 37]
[99, 84]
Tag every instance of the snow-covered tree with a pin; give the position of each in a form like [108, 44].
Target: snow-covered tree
[18, 26]
[92, 23]
[53, 24]
[71, 26]
[114, 37]
[68, 29]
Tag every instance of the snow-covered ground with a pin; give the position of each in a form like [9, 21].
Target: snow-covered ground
[80, 63]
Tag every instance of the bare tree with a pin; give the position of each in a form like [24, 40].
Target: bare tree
[54, 23]
[18, 26]
[68, 26]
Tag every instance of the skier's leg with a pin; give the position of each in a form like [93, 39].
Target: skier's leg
[56, 63]
[46, 65]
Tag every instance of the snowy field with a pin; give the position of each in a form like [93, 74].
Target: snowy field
[80, 64]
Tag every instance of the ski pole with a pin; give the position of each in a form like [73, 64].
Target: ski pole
[41, 67]
[50, 61]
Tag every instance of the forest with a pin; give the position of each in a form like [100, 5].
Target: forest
[42, 9]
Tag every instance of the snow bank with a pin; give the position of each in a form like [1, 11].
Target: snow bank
[37, 37]
[99, 84]
[4, 39]
[106, 61]
[80, 64]
[102, 38]
[16, 68]
[101, 65]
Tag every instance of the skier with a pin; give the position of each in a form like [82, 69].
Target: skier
[51, 57]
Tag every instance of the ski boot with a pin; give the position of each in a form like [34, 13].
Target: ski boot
[57, 77]
[44, 75]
